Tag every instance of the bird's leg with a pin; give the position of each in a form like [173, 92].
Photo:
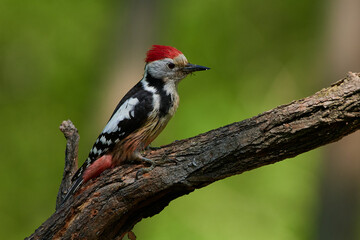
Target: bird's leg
[145, 160]
[152, 163]
[144, 170]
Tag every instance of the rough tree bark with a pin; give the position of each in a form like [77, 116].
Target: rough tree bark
[71, 158]
[110, 205]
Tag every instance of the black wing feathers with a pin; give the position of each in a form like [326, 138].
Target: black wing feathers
[106, 141]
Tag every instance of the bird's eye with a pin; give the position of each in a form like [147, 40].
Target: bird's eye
[171, 65]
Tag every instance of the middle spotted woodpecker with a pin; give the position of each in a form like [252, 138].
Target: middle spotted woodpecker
[140, 116]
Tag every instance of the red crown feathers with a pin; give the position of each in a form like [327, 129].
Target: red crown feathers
[158, 52]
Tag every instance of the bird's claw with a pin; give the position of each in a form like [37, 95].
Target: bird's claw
[142, 171]
[152, 164]
[152, 148]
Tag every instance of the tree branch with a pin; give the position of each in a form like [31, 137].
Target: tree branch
[110, 205]
[71, 158]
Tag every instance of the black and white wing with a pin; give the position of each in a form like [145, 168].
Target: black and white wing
[129, 115]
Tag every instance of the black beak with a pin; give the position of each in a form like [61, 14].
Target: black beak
[193, 68]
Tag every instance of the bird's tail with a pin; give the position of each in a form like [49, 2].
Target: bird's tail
[73, 189]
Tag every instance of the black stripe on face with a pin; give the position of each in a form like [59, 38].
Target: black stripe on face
[165, 99]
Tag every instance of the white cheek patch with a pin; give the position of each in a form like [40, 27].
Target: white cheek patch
[158, 69]
[170, 88]
[124, 112]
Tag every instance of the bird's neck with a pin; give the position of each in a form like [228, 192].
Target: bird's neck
[166, 90]
[157, 83]
[161, 85]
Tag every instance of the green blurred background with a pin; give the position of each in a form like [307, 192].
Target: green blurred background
[75, 60]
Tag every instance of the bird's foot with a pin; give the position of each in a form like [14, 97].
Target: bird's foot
[144, 170]
[152, 164]
[152, 148]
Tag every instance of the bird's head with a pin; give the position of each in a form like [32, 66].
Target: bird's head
[168, 63]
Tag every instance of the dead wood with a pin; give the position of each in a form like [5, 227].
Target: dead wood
[110, 205]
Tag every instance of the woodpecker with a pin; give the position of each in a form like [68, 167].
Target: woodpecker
[140, 115]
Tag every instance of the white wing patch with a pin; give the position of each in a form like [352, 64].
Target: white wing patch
[124, 112]
[102, 139]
